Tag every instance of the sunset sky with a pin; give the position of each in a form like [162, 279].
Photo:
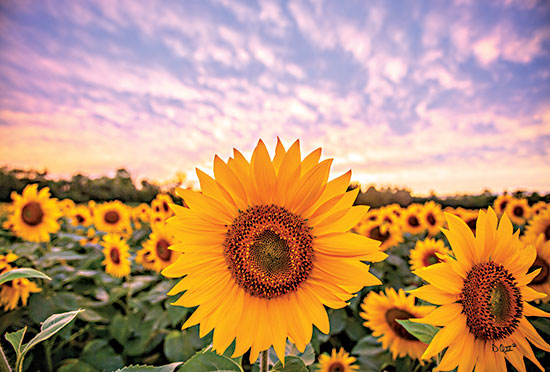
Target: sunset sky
[428, 95]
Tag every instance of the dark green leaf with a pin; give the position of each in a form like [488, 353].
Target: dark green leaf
[423, 332]
[292, 364]
[75, 365]
[210, 362]
[337, 320]
[119, 329]
[100, 355]
[16, 340]
[22, 273]
[40, 307]
[368, 345]
[180, 345]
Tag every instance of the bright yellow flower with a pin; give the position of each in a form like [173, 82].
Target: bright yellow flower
[66, 206]
[5, 260]
[160, 205]
[116, 255]
[539, 224]
[425, 253]
[483, 295]
[91, 237]
[381, 311]
[432, 217]
[501, 202]
[388, 235]
[266, 246]
[155, 254]
[112, 217]
[538, 208]
[80, 216]
[337, 362]
[541, 282]
[34, 215]
[518, 211]
[16, 289]
[410, 219]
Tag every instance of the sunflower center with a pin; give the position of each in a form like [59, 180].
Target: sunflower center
[162, 250]
[547, 233]
[491, 301]
[431, 259]
[392, 315]
[503, 205]
[80, 219]
[112, 217]
[518, 211]
[32, 213]
[269, 251]
[431, 219]
[376, 234]
[165, 206]
[115, 255]
[543, 275]
[413, 221]
[336, 367]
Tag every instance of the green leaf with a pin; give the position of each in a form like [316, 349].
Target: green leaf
[367, 346]
[99, 354]
[210, 362]
[337, 320]
[22, 273]
[180, 345]
[51, 326]
[16, 340]
[292, 364]
[146, 368]
[75, 365]
[119, 329]
[424, 332]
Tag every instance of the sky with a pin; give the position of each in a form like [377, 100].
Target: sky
[442, 96]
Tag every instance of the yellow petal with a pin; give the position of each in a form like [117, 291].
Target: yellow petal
[229, 180]
[441, 316]
[264, 174]
[441, 276]
[446, 336]
[434, 295]
[341, 221]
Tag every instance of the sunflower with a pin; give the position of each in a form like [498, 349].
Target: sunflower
[470, 217]
[80, 216]
[337, 362]
[155, 254]
[160, 205]
[483, 295]
[66, 206]
[428, 252]
[373, 215]
[518, 211]
[142, 212]
[396, 209]
[539, 224]
[116, 255]
[387, 234]
[91, 237]
[16, 289]
[34, 215]
[410, 219]
[432, 217]
[5, 260]
[266, 246]
[500, 203]
[541, 282]
[112, 217]
[381, 311]
[387, 215]
[538, 208]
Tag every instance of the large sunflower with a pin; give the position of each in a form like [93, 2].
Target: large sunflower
[34, 215]
[339, 361]
[428, 252]
[112, 217]
[116, 255]
[381, 311]
[265, 246]
[518, 211]
[432, 217]
[155, 254]
[483, 295]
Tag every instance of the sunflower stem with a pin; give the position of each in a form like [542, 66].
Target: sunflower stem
[263, 361]
[4, 365]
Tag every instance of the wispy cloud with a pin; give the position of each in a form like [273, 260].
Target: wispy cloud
[443, 98]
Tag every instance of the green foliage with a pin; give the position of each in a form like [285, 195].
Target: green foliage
[292, 364]
[209, 361]
[423, 332]
[22, 273]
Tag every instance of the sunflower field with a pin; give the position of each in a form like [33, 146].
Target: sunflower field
[272, 266]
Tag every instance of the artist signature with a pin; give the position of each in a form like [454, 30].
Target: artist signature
[502, 348]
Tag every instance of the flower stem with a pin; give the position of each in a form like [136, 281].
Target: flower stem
[263, 361]
[4, 365]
